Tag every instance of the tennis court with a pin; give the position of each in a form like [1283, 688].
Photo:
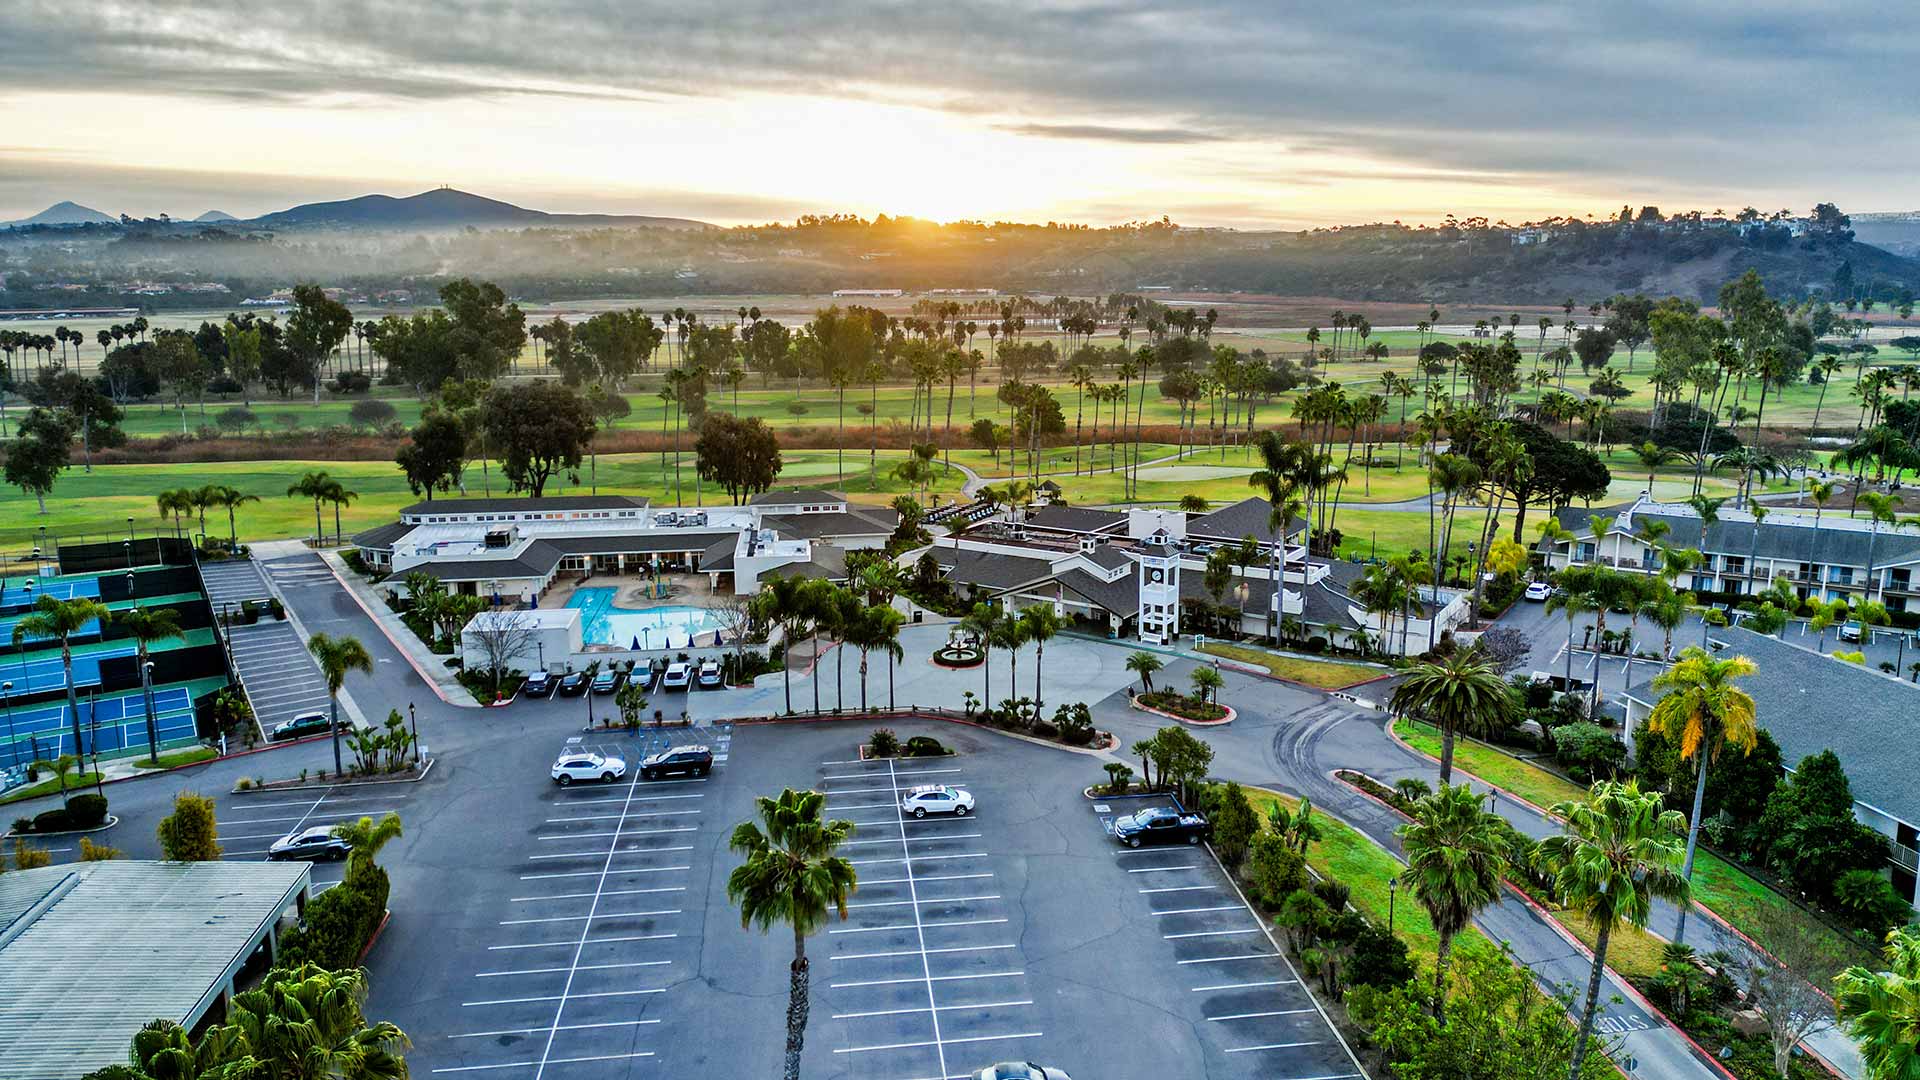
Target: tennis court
[17, 594]
[108, 724]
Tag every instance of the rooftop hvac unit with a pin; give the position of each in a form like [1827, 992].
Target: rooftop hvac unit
[499, 538]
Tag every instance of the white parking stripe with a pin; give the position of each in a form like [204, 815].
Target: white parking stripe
[582, 967]
[589, 918]
[620, 832]
[1274, 1046]
[936, 978]
[559, 997]
[1181, 888]
[914, 839]
[904, 903]
[942, 1043]
[542, 1064]
[1160, 869]
[1242, 986]
[1256, 1015]
[1197, 910]
[921, 858]
[916, 952]
[596, 873]
[915, 925]
[1229, 959]
[592, 941]
[1212, 933]
[938, 1008]
[925, 877]
[588, 895]
[563, 1027]
[871, 775]
[615, 851]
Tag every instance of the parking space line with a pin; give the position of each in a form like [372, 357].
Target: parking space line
[923, 858]
[1160, 869]
[620, 832]
[1212, 933]
[917, 924]
[936, 978]
[1275, 1046]
[866, 776]
[1196, 910]
[563, 1027]
[582, 967]
[913, 893]
[904, 903]
[560, 998]
[1256, 1015]
[861, 806]
[1229, 959]
[303, 817]
[941, 1043]
[1181, 888]
[610, 817]
[595, 941]
[589, 918]
[595, 873]
[916, 952]
[610, 854]
[896, 839]
[586, 895]
[1242, 986]
[914, 1011]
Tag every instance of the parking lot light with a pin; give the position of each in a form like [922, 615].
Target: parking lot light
[1393, 890]
[414, 722]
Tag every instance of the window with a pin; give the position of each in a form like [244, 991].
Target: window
[1585, 552]
[1899, 578]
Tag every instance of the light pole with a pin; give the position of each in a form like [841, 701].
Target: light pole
[414, 721]
[13, 747]
[153, 730]
[1393, 891]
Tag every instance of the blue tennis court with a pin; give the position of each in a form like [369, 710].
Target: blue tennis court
[43, 671]
[90, 630]
[117, 722]
[16, 593]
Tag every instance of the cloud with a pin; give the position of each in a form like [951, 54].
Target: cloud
[1146, 136]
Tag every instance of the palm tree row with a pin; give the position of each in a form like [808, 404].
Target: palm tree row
[321, 488]
[860, 616]
[998, 628]
[179, 502]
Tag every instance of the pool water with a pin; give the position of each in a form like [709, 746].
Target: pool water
[671, 626]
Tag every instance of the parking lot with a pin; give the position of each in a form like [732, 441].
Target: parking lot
[249, 822]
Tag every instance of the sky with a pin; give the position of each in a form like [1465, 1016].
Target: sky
[1245, 114]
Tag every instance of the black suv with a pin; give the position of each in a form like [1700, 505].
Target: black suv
[538, 684]
[691, 760]
[574, 684]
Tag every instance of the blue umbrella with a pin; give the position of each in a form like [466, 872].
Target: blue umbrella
[636, 643]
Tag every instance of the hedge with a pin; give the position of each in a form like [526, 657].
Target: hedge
[339, 923]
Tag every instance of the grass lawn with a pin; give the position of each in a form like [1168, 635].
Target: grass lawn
[1718, 885]
[1325, 674]
[51, 787]
[1346, 855]
[1631, 951]
[178, 758]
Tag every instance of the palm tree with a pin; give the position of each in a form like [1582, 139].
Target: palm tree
[1880, 510]
[791, 876]
[1704, 713]
[782, 601]
[146, 626]
[366, 837]
[175, 501]
[1039, 624]
[1009, 634]
[1881, 1009]
[1144, 664]
[1455, 859]
[339, 496]
[1616, 856]
[313, 485]
[303, 1023]
[201, 498]
[984, 620]
[1654, 457]
[337, 656]
[232, 499]
[53, 618]
[1459, 692]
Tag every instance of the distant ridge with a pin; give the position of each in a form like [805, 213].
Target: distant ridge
[444, 208]
[216, 215]
[65, 213]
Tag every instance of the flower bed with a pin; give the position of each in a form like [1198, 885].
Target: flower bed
[1182, 707]
[959, 656]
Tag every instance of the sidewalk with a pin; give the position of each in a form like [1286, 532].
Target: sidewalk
[428, 665]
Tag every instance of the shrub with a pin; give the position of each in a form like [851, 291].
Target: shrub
[1075, 723]
[1274, 870]
[1870, 902]
[92, 852]
[23, 824]
[1119, 776]
[925, 746]
[87, 811]
[1234, 822]
[884, 743]
[29, 858]
[1589, 751]
[1316, 644]
[188, 834]
[1333, 893]
[339, 922]
[1379, 959]
[57, 819]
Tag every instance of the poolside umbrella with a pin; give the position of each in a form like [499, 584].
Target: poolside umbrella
[636, 643]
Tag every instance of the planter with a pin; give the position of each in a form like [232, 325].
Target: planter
[1226, 717]
[959, 657]
[410, 775]
[102, 827]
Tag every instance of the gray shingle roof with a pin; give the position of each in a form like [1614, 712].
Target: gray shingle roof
[864, 522]
[1109, 557]
[1811, 702]
[990, 570]
[719, 556]
[796, 497]
[529, 505]
[1120, 597]
[1780, 537]
[382, 538]
[1076, 519]
[1248, 517]
[538, 560]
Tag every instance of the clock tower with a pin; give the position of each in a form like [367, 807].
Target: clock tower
[1159, 561]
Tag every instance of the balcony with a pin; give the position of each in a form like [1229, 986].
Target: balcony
[1905, 858]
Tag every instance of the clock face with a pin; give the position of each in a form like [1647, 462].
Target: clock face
[1156, 576]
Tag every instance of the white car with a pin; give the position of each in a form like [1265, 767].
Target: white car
[677, 677]
[587, 765]
[937, 799]
[1539, 591]
[709, 673]
[1850, 632]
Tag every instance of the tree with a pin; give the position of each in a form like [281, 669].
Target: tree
[146, 626]
[435, 453]
[315, 328]
[1039, 624]
[300, 1023]
[1705, 713]
[539, 429]
[337, 657]
[231, 499]
[190, 833]
[365, 837]
[56, 619]
[504, 635]
[1144, 664]
[40, 453]
[487, 331]
[372, 413]
[245, 353]
[742, 456]
[1783, 982]
[1880, 1010]
[1615, 858]
[338, 494]
[1459, 692]
[178, 363]
[1809, 833]
[1180, 759]
[782, 601]
[315, 486]
[792, 876]
[1456, 854]
[1206, 683]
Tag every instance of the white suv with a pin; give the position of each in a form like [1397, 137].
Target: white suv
[937, 799]
[677, 677]
[587, 765]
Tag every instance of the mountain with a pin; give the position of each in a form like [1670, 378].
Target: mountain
[444, 208]
[216, 215]
[65, 213]
[1897, 232]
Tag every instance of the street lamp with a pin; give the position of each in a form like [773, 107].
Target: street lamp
[13, 747]
[411, 719]
[1393, 890]
[153, 730]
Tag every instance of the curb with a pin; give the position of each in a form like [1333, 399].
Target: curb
[428, 768]
[432, 684]
[110, 823]
[1134, 703]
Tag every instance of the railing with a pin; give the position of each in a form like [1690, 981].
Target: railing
[1905, 857]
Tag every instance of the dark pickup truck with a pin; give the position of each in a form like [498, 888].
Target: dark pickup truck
[1162, 825]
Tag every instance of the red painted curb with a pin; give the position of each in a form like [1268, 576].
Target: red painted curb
[403, 650]
[385, 918]
[1190, 722]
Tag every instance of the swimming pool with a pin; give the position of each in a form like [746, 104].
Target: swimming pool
[671, 626]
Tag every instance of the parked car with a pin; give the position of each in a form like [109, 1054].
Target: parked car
[1021, 1070]
[307, 723]
[1539, 591]
[311, 845]
[710, 674]
[1162, 825]
[573, 684]
[690, 760]
[607, 681]
[1851, 631]
[937, 799]
[538, 684]
[587, 765]
[677, 677]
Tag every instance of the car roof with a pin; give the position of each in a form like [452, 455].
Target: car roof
[925, 789]
[308, 716]
[687, 748]
[681, 664]
[579, 755]
[313, 830]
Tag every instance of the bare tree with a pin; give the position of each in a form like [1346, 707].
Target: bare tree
[734, 614]
[502, 636]
[1783, 988]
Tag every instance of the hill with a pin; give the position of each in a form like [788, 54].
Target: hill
[445, 208]
[1898, 233]
[216, 215]
[64, 213]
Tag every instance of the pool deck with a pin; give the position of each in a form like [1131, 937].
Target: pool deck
[687, 590]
